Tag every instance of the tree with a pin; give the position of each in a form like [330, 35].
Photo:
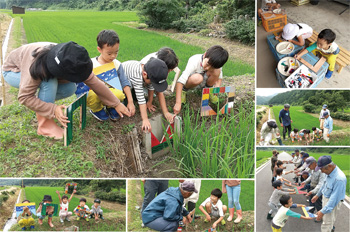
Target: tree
[160, 14]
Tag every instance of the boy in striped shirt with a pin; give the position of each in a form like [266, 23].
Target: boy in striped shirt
[153, 76]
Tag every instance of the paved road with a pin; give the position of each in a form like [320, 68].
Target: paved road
[263, 193]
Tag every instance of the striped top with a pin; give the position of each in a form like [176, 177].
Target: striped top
[133, 72]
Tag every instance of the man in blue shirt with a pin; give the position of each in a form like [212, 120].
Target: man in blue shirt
[285, 120]
[333, 191]
[328, 126]
[166, 211]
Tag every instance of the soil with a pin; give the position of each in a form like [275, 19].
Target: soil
[6, 209]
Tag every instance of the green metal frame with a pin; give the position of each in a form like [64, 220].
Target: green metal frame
[80, 102]
[43, 209]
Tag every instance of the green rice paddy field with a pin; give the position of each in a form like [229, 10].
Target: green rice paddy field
[83, 27]
[301, 120]
[36, 194]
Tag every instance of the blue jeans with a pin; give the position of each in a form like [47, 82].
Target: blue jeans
[233, 196]
[160, 224]
[151, 188]
[49, 91]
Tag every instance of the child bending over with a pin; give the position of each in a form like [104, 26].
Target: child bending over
[212, 207]
[279, 221]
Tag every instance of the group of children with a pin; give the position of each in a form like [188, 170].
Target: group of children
[81, 211]
[280, 201]
[297, 33]
[202, 70]
[315, 135]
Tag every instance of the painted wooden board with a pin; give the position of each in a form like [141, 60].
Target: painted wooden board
[316, 67]
[20, 206]
[108, 74]
[308, 214]
[206, 110]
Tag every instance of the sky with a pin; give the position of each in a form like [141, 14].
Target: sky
[270, 91]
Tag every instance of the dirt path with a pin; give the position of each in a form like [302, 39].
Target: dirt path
[6, 209]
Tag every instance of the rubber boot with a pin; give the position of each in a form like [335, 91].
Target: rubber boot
[231, 211]
[50, 222]
[239, 216]
[280, 142]
[48, 127]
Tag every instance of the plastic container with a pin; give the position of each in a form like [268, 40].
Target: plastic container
[303, 78]
[273, 44]
[273, 22]
[287, 65]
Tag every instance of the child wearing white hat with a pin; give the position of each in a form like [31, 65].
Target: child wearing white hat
[301, 31]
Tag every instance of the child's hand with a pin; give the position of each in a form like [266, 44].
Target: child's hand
[214, 225]
[60, 116]
[177, 108]
[208, 218]
[297, 56]
[57, 192]
[131, 108]
[277, 37]
[122, 110]
[169, 117]
[146, 126]
[96, 217]
[150, 107]
[74, 191]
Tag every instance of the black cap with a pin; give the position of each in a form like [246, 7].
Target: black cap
[47, 198]
[272, 124]
[157, 72]
[70, 62]
[97, 201]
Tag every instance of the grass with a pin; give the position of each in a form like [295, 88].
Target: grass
[134, 43]
[302, 120]
[36, 194]
[262, 157]
[218, 146]
[19, 143]
[16, 31]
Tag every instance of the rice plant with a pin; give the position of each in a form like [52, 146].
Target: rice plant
[220, 146]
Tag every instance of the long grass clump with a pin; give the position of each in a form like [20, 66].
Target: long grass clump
[221, 146]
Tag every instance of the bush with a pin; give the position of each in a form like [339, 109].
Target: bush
[241, 29]
[111, 196]
[12, 192]
[160, 13]
[5, 193]
[341, 116]
[309, 108]
[4, 198]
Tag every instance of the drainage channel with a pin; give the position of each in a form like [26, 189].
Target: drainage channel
[13, 219]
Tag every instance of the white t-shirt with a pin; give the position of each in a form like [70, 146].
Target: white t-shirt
[217, 206]
[64, 207]
[194, 65]
[306, 29]
[322, 111]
